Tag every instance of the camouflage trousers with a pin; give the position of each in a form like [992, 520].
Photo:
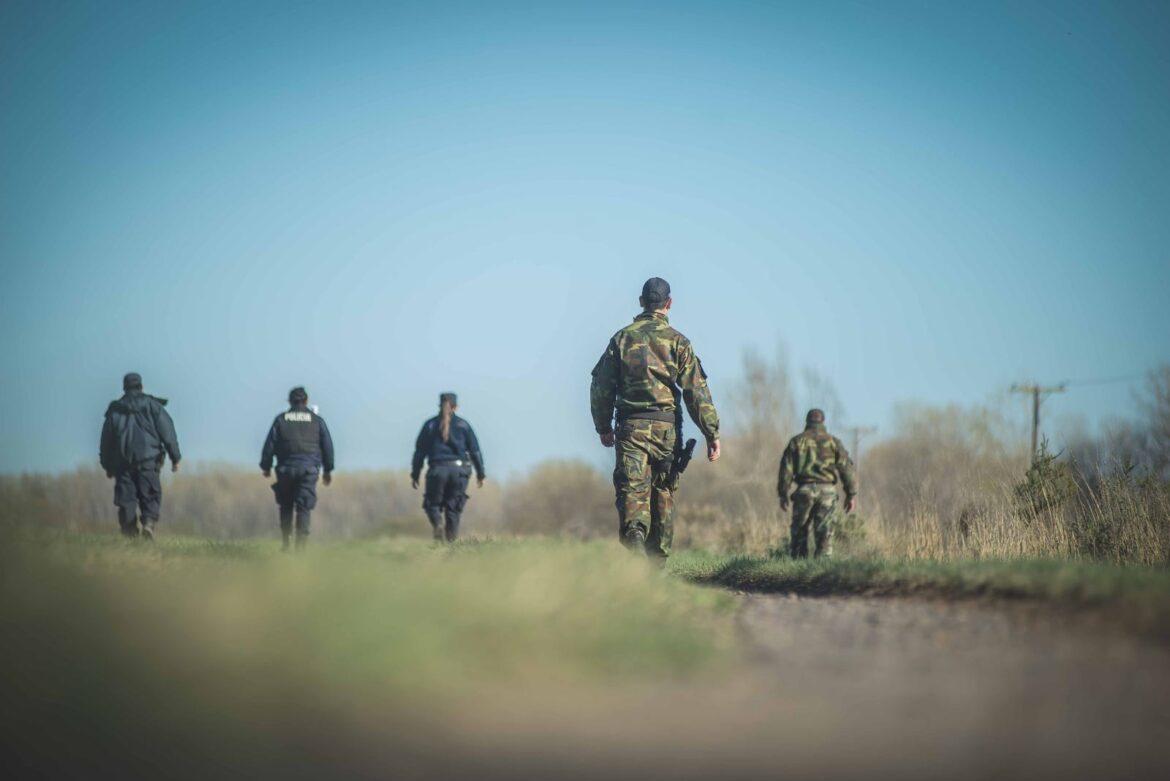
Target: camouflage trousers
[641, 480]
[813, 505]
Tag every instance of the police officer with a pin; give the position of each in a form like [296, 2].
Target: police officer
[448, 445]
[300, 441]
[815, 461]
[646, 372]
[137, 436]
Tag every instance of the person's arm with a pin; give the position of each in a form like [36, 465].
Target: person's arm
[848, 474]
[697, 397]
[603, 392]
[476, 455]
[108, 448]
[787, 473]
[269, 451]
[166, 433]
[421, 446]
[326, 445]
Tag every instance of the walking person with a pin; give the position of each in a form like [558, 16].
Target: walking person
[815, 461]
[448, 445]
[647, 372]
[300, 442]
[137, 436]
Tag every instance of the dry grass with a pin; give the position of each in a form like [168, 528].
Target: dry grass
[946, 483]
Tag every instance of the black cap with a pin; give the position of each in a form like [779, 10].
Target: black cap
[132, 381]
[656, 290]
[814, 416]
[448, 396]
[298, 395]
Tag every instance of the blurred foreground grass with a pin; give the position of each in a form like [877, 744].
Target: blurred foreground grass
[1134, 595]
[217, 652]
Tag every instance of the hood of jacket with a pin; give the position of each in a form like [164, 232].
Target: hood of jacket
[132, 402]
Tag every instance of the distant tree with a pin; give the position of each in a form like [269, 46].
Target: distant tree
[1048, 484]
[1155, 406]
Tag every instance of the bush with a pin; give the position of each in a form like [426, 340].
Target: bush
[1048, 485]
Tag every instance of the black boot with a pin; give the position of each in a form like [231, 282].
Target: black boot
[148, 531]
[286, 537]
[302, 541]
[635, 540]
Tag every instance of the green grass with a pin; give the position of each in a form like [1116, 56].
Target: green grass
[214, 647]
[1138, 596]
[194, 655]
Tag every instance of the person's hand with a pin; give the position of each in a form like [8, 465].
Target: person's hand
[327, 478]
[713, 450]
[174, 466]
[607, 439]
[479, 481]
[783, 504]
[266, 472]
[414, 483]
[110, 474]
[850, 504]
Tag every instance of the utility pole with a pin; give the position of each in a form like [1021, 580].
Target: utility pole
[1038, 393]
[856, 433]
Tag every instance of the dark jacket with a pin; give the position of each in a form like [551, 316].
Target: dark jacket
[137, 430]
[461, 445]
[298, 437]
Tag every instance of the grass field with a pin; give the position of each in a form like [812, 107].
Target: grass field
[108, 641]
[195, 658]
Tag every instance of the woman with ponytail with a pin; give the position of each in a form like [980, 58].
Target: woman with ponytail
[449, 447]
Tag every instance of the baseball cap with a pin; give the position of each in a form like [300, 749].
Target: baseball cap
[656, 290]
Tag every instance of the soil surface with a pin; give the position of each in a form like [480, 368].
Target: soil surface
[874, 688]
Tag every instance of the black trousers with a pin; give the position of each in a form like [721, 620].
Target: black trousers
[137, 492]
[296, 490]
[445, 498]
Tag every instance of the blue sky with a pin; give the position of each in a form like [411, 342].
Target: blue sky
[919, 200]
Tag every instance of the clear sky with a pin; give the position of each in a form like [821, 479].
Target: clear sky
[920, 200]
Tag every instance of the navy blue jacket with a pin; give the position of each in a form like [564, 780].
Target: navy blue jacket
[137, 430]
[461, 445]
[298, 437]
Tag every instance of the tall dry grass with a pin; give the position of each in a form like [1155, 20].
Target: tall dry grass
[230, 503]
[944, 483]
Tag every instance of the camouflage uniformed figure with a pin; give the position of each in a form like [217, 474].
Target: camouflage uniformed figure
[645, 371]
[815, 460]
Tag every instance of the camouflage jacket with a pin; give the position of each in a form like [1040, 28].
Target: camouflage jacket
[646, 367]
[816, 456]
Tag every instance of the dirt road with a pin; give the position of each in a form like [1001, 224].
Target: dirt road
[878, 688]
[929, 688]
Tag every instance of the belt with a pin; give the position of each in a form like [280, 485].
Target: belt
[815, 482]
[458, 462]
[650, 414]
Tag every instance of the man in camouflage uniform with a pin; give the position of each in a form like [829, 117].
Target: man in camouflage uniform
[815, 460]
[645, 371]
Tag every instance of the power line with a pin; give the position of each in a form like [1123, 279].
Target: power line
[1038, 393]
[1106, 380]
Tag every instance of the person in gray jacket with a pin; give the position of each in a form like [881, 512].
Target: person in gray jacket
[137, 437]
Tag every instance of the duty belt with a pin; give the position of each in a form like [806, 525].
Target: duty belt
[458, 462]
[650, 414]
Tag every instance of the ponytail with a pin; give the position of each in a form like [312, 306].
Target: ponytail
[445, 408]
